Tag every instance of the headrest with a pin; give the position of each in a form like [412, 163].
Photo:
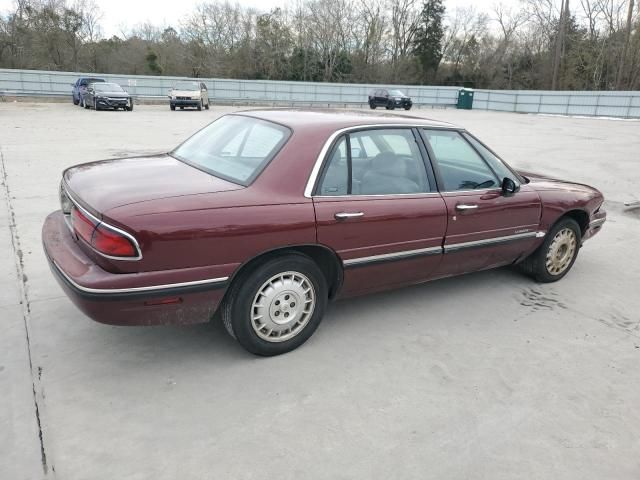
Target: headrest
[386, 163]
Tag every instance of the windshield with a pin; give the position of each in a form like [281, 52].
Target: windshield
[187, 86]
[234, 147]
[396, 93]
[107, 87]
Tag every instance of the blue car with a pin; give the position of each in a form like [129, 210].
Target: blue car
[80, 87]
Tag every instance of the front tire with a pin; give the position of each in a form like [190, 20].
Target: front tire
[200, 106]
[206, 107]
[276, 307]
[557, 254]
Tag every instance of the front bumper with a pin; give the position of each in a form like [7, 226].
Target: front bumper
[125, 299]
[112, 102]
[403, 103]
[595, 224]
[194, 102]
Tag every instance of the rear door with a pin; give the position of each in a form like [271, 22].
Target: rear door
[377, 206]
[485, 228]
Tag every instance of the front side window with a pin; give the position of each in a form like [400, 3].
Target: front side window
[234, 147]
[375, 162]
[461, 168]
[496, 164]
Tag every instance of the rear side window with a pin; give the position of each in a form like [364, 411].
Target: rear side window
[234, 147]
[375, 162]
[460, 166]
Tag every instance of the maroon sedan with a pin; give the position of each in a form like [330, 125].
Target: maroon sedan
[264, 216]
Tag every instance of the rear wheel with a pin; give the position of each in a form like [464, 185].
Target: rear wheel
[555, 257]
[277, 306]
[372, 105]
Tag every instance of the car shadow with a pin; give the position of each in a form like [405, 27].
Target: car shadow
[210, 342]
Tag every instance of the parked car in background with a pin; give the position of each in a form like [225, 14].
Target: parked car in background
[80, 87]
[390, 99]
[265, 216]
[103, 95]
[189, 93]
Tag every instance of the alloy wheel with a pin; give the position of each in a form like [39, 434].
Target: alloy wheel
[283, 306]
[561, 251]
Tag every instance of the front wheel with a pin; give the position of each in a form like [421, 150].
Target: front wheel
[200, 106]
[130, 106]
[277, 306]
[557, 254]
[206, 107]
[407, 107]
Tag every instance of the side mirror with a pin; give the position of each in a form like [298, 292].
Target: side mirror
[509, 187]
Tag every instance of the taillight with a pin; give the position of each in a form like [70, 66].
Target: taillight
[100, 237]
[112, 243]
[82, 225]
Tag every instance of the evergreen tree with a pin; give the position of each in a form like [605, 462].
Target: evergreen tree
[427, 45]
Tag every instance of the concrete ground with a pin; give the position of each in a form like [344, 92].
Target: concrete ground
[487, 376]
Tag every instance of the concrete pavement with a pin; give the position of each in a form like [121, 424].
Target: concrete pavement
[484, 376]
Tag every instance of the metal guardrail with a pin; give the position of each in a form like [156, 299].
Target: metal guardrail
[58, 84]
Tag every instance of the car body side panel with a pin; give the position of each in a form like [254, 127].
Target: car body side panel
[495, 216]
[388, 225]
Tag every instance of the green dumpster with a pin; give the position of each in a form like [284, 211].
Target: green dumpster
[465, 98]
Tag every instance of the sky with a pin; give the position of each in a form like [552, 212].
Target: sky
[124, 14]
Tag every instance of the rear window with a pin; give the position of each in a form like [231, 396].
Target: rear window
[234, 147]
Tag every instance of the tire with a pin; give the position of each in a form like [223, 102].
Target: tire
[545, 267]
[391, 106]
[408, 107]
[75, 102]
[130, 106]
[276, 282]
[206, 107]
[199, 107]
[172, 107]
[181, 108]
[372, 105]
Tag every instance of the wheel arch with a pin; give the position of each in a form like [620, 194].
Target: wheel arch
[580, 216]
[325, 258]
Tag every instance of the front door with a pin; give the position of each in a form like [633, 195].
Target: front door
[485, 228]
[377, 206]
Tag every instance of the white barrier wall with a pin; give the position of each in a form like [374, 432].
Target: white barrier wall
[613, 104]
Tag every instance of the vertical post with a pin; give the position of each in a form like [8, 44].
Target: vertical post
[629, 106]
[595, 113]
[515, 104]
[566, 111]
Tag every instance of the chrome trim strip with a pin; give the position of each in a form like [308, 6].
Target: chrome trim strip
[110, 227]
[392, 256]
[308, 190]
[489, 241]
[540, 234]
[597, 222]
[150, 288]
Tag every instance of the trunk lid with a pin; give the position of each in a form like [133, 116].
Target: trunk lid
[107, 184]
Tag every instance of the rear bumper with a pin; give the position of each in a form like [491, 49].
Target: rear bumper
[125, 299]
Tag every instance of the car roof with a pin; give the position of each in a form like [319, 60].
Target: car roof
[336, 119]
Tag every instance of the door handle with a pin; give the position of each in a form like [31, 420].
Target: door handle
[463, 207]
[345, 215]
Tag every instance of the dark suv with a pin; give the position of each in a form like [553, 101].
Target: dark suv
[80, 87]
[389, 99]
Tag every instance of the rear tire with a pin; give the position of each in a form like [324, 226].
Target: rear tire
[557, 254]
[258, 303]
[372, 105]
